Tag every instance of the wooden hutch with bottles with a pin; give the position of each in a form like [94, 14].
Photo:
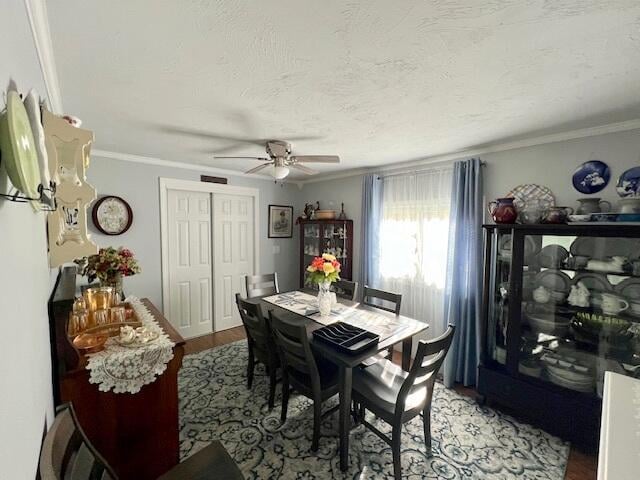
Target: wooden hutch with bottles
[326, 236]
[561, 307]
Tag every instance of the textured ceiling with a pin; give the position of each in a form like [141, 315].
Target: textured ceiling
[375, 82]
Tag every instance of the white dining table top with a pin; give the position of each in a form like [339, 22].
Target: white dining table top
[619, 452]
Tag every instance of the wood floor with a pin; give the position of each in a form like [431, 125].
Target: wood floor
[581, 466]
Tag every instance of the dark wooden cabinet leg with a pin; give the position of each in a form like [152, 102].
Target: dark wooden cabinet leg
[407, 345]
[345, 405]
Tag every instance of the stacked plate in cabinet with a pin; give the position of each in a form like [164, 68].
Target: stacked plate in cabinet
[569, 373]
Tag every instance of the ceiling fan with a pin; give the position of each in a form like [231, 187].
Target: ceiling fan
[281, 159]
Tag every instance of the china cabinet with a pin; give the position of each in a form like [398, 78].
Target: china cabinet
[326, 236]
[561, 307]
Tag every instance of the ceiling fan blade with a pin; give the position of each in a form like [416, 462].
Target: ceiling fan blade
[249, 158]
[258, 168]
[302, 168]
[230, 148]
[316, 158]
[210, 135]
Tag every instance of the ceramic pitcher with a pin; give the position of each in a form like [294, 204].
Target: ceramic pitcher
[592, 205]
[629, 205]
[502, 210]
[557, 214]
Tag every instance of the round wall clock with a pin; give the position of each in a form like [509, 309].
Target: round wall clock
[112, 215]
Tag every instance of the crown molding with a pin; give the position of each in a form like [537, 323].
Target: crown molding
[129, 157]
[483, 150]
[39, 22]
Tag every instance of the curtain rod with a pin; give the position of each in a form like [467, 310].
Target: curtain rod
[422, 170]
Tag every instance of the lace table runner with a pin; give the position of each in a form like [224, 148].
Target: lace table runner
[127, 369]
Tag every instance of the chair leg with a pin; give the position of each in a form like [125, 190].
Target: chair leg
[272, 387]
[355, 408]
[395, 451]
[426, 424]
[285, 399]
[317, 419]
[250, 367]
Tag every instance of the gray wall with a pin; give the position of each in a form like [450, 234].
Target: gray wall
[551, 165]
[138, 184]
[25, 366]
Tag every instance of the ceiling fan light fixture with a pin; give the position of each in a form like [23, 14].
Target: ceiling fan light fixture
[279, 172]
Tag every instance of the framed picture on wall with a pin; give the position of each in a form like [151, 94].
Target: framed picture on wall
[280, 221]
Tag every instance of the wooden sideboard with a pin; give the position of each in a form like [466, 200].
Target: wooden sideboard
[138, 434]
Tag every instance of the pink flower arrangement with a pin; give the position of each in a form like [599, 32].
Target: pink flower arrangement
[108, 263]
[324, 269]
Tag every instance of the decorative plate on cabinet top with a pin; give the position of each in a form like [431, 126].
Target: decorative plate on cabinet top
[18, 147]
[591, 176]
[554, 280]
[112, 215]
[32, 106]
[530, 195]
[602, 248]
[595, 282]
[629, 288]
[629, 183]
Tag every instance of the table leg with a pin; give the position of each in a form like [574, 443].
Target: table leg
[345, 416]
[407, 345]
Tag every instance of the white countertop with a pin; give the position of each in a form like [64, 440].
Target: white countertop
[619, 457]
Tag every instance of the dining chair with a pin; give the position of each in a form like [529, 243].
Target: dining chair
[388, 301]
[397, 396]
[67, 453]
[383, 300]
[315, 378]
[262, 285]
[345, 289]
[260, 343]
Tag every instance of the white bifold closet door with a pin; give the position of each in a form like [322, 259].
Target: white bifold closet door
[233, 254]
[190, 262]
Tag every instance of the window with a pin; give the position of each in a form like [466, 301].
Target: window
[414, 234]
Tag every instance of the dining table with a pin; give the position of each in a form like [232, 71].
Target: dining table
[405, 328]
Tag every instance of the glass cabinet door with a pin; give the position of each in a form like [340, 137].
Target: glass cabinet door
[580, 312]
[499, 297]
[311, 242]
[335, 240]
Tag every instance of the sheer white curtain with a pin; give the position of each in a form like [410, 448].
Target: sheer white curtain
[414, 233]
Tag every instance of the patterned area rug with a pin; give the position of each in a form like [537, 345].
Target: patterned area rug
[469, 442]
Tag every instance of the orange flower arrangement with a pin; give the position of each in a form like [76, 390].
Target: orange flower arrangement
[324, 269]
